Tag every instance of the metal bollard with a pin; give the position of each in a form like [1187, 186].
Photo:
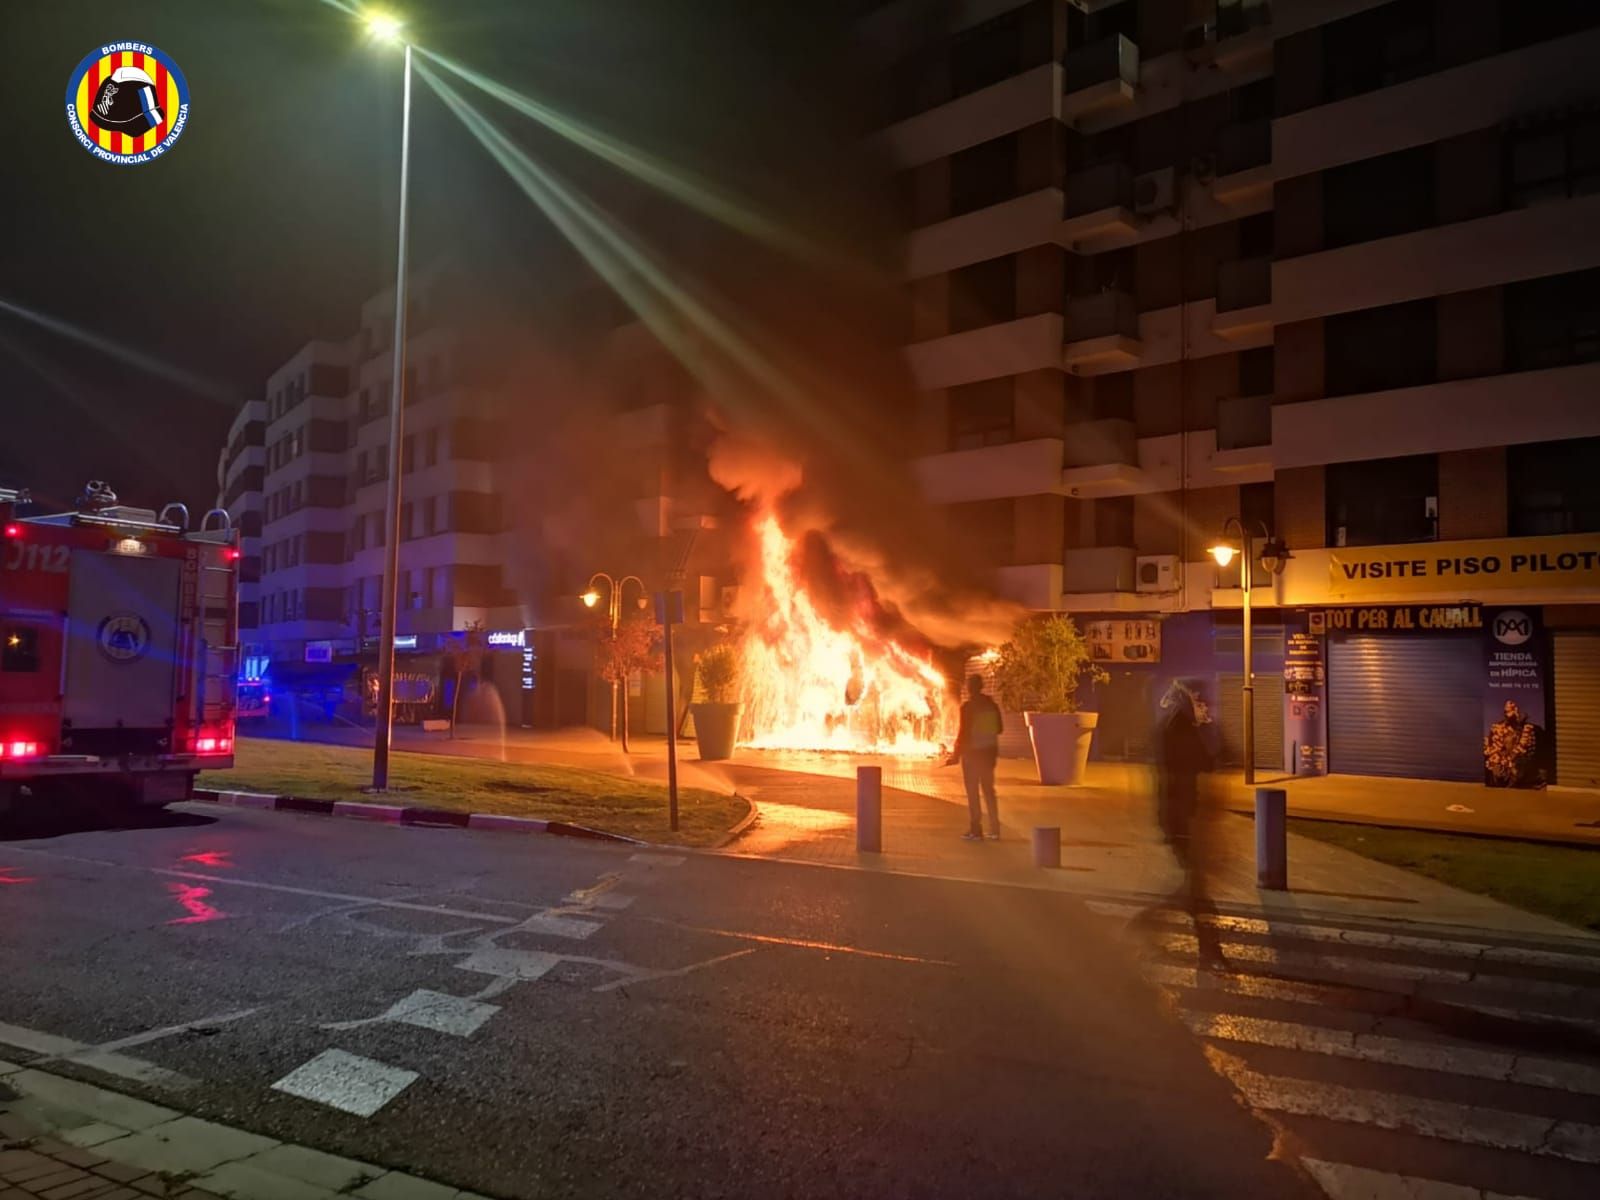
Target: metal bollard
[869, 810]
[1272, 838]
[1047, 845]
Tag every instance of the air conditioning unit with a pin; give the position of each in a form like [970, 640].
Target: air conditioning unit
[1153, 190]
[1157, 573]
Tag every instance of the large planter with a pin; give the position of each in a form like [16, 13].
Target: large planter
[715, 727]
[1061, 745]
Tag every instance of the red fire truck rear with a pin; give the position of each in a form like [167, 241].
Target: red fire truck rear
[118, 650]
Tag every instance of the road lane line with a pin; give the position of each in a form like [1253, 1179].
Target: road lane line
[646, 976]
[804, 944]
[1341, 1181]
[1468, 1124]
[346, 1082]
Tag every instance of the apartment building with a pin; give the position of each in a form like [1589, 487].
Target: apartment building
[1330, 267]
[500, 530]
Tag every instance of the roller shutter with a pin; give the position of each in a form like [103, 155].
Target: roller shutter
[1577, 712]
[1269, 719]
[1406, 705]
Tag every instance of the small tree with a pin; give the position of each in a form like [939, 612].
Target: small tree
[1042, 666]
[719, 670]
[635, 645]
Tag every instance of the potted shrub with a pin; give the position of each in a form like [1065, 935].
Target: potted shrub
[1037, 673]
[716, 718]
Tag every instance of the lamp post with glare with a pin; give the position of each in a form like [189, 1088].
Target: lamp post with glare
[614, 590]
[385, 27]
[1272, 556]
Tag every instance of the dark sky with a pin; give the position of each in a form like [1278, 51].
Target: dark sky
[273, 216]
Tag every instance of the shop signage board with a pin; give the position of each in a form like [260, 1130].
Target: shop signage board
[1305, 683]
[1397, 618]
[1518, 751]
[1471, 568]
[1123, 640]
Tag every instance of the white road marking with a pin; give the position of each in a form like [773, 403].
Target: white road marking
[120, 1066]
[1485, 952]
[558, 926]
[1447, 1121]
[1344, 1182]
[645, 976]
[440, 1012]
[346, 1082]
[612, 901]
[510, 964]
[1398, 1052]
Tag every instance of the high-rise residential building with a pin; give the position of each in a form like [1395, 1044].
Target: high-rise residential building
[500, 530]
[1329, 267]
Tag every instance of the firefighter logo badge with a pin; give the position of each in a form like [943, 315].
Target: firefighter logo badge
[127, 103]
[123, 637]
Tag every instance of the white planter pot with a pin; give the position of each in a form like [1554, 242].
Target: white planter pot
[1061, 745]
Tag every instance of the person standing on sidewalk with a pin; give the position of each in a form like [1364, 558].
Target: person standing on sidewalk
[977, 749]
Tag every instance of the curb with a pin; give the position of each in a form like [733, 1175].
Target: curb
[739, 829]
[415, 814]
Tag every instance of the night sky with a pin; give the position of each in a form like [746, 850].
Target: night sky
[273, 216]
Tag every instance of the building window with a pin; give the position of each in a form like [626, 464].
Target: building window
[1553, 487]
[982, 175]
[1378, 197]
[1378, 48]
[986, 54]
[406, 532]
[430, 516]
[1113, 521]
[1376, 349]
[1256, 372]
[1383, 501]
[1554, 321]
[981, 414]
[430, 445]
[1256, 508]
[983, 294]
[1112, 396]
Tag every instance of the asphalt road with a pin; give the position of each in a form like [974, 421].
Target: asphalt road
[537, 1016]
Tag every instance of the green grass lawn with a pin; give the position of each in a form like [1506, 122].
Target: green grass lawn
[1559, 881]
[592, 798]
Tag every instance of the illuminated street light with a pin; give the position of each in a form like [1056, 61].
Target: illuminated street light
[614, 590]
[386, 27]
[1273, 555]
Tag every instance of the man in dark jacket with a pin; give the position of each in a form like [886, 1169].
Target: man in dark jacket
[977, 749]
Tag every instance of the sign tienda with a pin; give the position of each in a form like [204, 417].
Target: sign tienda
[1500, 564]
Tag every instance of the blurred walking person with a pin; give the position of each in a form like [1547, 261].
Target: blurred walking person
[1184, 754]
[977, 749]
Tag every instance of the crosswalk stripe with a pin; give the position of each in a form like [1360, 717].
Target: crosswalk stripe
[1341, 1181]
[1441, 1119]
[1397, 1052]
[1527, 956]
[1251, 952]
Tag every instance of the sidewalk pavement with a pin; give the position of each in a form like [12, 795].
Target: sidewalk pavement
[1566, 815]
[1111, 846]
[62, 1139]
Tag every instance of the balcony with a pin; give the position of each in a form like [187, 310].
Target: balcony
[1018, 224]
[1099, 202]
[1237, 34]
[1102, 333]
[1103, 74]
[1098, 443]
[1098, 569]
[1244, 297]
[1010, 348]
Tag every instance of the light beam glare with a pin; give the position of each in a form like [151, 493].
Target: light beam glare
[198, 384]
[686, 187]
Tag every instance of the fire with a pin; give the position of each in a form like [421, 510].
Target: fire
[810, 684]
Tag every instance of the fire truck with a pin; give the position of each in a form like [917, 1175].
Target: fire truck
[118, 647]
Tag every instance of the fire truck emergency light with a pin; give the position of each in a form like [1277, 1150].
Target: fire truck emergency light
[13, 529]
[19, 749]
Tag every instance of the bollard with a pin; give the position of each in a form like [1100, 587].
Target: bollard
[1047, 845]
[869, 810]
[1272, 838]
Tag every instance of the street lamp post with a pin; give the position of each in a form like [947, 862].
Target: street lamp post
[1272, 556]
[388, 29]
[614, 591]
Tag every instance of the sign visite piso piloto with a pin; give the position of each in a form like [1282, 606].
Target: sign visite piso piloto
[1567, 562]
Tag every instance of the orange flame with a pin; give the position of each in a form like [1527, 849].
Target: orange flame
[810, 685]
